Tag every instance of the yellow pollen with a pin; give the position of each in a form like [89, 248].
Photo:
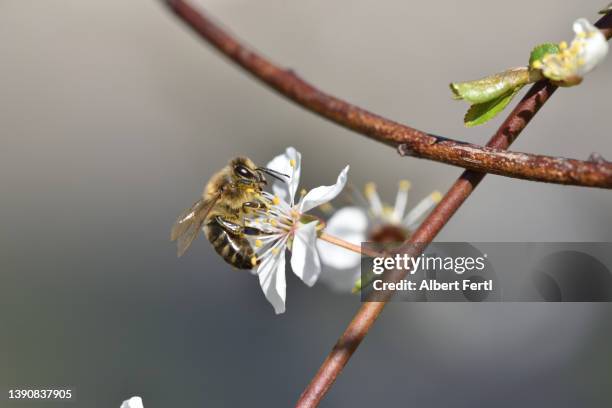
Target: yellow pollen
[537, 64]
[258, 243]
[272, 221]
[581, 34]
[436, 196]
[303, 192]
[563, 45]
[275, 251]
[250, 190]
[581, 61]
[292, 163]
[276, 200]
[253, 260]
[404, 185]
[369, 189]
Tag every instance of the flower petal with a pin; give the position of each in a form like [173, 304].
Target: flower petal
[288, 163]
[271, 274]
[594, 45]
[134, 402]
[349, 224]
[323, 194]
[304, 257]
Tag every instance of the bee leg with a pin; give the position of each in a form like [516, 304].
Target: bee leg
[236, 229]
[252, 231]
[250, 206]
[231, 227]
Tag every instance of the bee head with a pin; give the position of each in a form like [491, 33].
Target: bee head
[245, 172]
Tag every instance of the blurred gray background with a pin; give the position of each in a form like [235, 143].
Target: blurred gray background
[113, 116]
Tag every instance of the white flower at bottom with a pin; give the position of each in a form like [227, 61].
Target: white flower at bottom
[134, 402]
[373, 221]
[285, 226]
[588, 48]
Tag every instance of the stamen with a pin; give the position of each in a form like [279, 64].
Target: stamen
[401, 199]
[292, 163]
[254, 260]
[278, 242]
[258, 243]
[375, 203]
[404, 185]
[421, 208]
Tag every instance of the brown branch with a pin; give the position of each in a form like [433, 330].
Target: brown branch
[409, 141]
[456, 195]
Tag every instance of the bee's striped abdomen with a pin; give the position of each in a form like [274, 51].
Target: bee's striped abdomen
[236, 250]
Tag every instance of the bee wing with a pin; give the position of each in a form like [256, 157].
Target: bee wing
[189, 223]
[184, 241]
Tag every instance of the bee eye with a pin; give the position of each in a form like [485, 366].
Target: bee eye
[243, 172]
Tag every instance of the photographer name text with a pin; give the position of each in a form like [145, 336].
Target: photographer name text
[433, 285]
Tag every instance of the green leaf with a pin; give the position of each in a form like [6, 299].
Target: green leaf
[541, 50]
[492, 87]
[481, 113]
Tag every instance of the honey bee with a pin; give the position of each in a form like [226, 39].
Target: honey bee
[228, 196]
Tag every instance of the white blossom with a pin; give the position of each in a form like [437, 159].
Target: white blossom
[134, 402]
[588, 48]
[285, 225]
[355, 224]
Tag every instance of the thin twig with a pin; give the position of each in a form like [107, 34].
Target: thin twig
[456, 195]
[409, 141]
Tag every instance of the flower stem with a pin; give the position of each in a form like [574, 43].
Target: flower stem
[347, 245]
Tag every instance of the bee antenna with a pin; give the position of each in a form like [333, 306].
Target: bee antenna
[276, 174]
